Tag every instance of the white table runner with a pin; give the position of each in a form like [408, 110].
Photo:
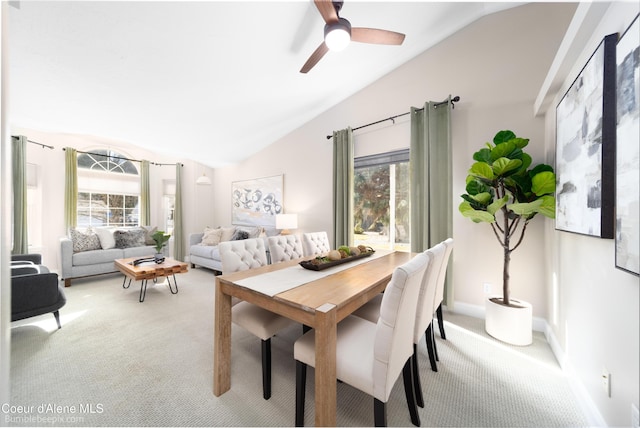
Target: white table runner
[276, 282]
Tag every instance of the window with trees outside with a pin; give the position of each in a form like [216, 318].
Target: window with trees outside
[108, 190]
[381, 201]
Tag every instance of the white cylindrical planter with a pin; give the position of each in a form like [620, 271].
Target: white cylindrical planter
[513, 325]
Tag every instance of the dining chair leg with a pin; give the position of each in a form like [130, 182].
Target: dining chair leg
[428, 336]
[441, 322]
[266, 369]
[379, 413]
[417, 388]
[407, 378]
[301, 381]
[435, 345]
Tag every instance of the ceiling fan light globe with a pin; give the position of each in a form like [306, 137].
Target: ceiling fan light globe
[337, 35]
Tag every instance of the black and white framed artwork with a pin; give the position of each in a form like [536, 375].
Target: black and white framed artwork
[585, 147]
[628, 150]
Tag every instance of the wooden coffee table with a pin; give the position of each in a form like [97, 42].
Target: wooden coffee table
[150, 270]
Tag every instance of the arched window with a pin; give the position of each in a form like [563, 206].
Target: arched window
[108, 189]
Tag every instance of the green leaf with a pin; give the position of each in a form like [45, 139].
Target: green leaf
[543, 183]
[476, 216]
[526, 161]
[474, 187]
[482, 155]
[481, 169]
[504, 165]
[503, 136]
[540, 168]
[526, 209]
[496, 205]
[520, 142]
[502, 150]
[548, 207]
[482, 198]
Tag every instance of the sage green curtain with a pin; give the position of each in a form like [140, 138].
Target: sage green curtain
[178, 236]
[431, 180]
[19, 167]
[343, 187]
[145, 211]
[70, 188]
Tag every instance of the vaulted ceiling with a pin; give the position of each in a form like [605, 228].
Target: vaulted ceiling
[211, 81]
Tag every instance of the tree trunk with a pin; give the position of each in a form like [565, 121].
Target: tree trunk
[507, 257]
[505, 276]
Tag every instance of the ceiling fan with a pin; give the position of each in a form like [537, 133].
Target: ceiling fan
[338, 33]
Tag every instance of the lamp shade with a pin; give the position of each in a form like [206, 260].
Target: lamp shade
[203, 180]
[286, 221]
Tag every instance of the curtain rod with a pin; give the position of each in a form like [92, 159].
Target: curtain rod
[40, 144]
[453, 100]
[129, 159]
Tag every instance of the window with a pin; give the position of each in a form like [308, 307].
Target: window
[108, 190]
[381, 201]
[168, 204]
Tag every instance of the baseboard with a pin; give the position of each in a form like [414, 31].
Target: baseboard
[588, 407]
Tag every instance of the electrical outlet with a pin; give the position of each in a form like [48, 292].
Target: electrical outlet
[635, 416]
[606, 382]
[486, 287]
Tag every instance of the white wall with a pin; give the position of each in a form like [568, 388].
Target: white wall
[197, 200]
[596, 321]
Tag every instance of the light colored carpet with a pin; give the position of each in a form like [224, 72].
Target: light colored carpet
[118, 362]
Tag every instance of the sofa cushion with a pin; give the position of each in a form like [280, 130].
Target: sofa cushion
[96, 256]
[206, 251]
[240, 234]
[227, 233]
[105, 235]
[129, 238]
[138, 252]
[148, 234]
[84, 241]
[211, 236]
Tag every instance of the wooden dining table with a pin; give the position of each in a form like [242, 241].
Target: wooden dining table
[320, 303]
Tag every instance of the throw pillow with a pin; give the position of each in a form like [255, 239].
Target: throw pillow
[211, 236]
[129, 238]
[255, 232]
[105, 235]
[239, 235]
[227, 233]
[84, 241]
[148, 237]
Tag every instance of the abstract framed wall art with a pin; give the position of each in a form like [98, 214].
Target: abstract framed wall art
[256, 202]
[628, 150]
[585, 147]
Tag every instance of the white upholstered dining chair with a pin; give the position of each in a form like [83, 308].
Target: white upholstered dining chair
[440, 287]
[424, 313]
[370, 356]
[239, 256]
[285, 247]
[315, 243]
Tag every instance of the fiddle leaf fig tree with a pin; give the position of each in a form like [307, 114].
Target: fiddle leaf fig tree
[503, 191]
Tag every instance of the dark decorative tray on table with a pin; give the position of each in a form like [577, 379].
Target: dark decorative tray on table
[320, 263]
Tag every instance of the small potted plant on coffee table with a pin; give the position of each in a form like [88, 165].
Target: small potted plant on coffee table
[161, 240]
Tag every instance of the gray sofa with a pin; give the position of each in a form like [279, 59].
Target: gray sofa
[208, 256]
[95, 262]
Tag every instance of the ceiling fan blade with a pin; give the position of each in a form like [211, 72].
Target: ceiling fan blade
[315, 57]
[327, 10]
[376, 36]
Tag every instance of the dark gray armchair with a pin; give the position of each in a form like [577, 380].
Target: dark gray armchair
[34, 290]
